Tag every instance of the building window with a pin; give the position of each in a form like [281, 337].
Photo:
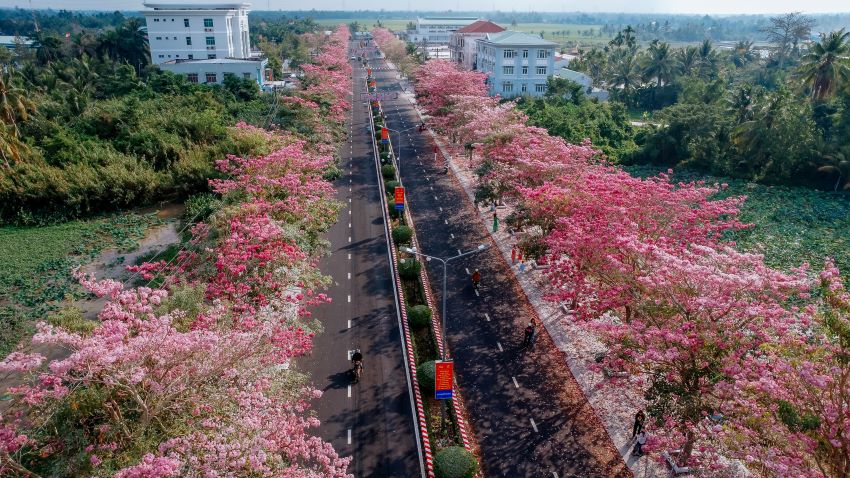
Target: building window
[162, 56]
[509, 53]
[208, 23]
[525, 70]
[542, 53]
[523, 87]
[541, 70]
[507, 70]
[156, 19]
[211, 56]
[192, 77]
[210, 41]
[540, 88]
[525, 53]
[507, 87]
[191, 57]
[247, 76]
[188, 40]
[159, 38]
[172, 19]
[186, 22]
[211, 78]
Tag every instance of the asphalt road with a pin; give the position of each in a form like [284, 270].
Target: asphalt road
[371, 421]
[528, 413]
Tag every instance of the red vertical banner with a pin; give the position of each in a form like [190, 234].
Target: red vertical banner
[369, 71]
[443, 380]
[385, 134]
[399, 197]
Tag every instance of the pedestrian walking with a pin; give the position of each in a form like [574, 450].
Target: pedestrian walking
[521, 265]
[641, 440]
[513, 254]
[495, 222]
[640, 417]
[528, 335]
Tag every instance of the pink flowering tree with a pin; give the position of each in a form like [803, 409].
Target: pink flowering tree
[437, 80]
[793, 397]
[214, 399]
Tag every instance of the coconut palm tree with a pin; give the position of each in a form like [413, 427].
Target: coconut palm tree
[837, 163]
[707, 59]
[824, 70]
[660, 63]
[624, 72]
[48, 48]
[743, 54]
[15, 106]
[687, 57]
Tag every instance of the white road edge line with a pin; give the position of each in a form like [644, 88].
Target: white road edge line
[533, 425]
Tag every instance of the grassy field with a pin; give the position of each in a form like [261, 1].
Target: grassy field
[557, 32]
[36, 264]
[791, 225]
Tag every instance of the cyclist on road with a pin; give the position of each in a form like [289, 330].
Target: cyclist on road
[476, 278]
[528, 335]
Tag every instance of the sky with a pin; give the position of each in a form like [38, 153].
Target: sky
[647, 6]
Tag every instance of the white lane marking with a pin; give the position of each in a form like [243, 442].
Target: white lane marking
[349, 181]
[441, 208]
[533, 425]
[516, 384]
[446, 221]
[349, 189]
[453, 236]
[349, 256]
[467, 270]
[432, 188]
[349, 391]
[500, 347]
[349, 297]
[349, 238]
[349, 434]
[476, 293]
[349, 323]
[349, 212]
[458, 251]
[435, 198]
[349, 200]
[555, 474]
[349, 276]
[487, 316]
[349, 224]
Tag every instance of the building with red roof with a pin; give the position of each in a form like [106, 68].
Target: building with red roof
[462, 42]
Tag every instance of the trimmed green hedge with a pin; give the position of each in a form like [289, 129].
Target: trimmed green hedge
[387, 170]
[426, 373]
[402, 235]
[390, 186]
[409, 269]
[455, 462]
[419, 316]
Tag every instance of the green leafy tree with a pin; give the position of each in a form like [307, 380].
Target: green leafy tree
[826, 68]
[660, 63]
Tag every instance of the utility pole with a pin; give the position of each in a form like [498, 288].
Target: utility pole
[34, 19]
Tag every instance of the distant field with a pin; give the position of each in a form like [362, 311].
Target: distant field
[557, 32]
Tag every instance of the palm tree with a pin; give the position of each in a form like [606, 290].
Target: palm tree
[707, 59]
[134, 45]
[14, 107]
[824, 70]
[83, 43]
[741, 103]
[687, 60]
[594, 62]
[743, 54]
[660, 63]
[624, 72]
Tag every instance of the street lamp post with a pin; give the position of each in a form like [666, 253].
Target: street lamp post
[445, 274]
[398, 155]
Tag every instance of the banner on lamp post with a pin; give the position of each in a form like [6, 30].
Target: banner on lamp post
[399, 197]
[443, 379]
[385, 135]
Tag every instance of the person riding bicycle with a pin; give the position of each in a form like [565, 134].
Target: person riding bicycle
[476, 278]
[356, 357]
[356, 364]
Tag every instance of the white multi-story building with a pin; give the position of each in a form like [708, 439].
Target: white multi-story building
[462, 46]
[204, 42]
[516, 63]
[437, 29]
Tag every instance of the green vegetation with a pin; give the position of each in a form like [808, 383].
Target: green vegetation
[419, 316]
[388, 171]
[791, 225]
[35, 265]
[455, 462]
[402, 235]
[426, 373]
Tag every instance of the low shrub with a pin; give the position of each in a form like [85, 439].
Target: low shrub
[409, 269]
[455, 462]
[201, 206]
[394, 213]
[402, 235]
[387, 170]
[72, 320]
[390, 186]
[426, 373]
[419, 316]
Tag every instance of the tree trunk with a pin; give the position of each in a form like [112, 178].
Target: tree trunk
[687, 450]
